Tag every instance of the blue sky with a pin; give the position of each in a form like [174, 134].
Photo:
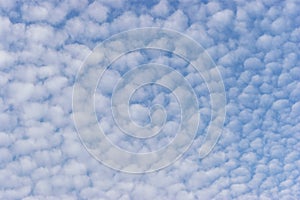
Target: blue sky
[255, 45]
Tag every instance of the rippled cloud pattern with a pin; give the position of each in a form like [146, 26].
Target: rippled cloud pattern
[255, 47]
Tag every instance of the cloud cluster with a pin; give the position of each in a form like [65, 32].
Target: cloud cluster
[255, 45]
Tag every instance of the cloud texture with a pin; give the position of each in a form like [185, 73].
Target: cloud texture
[255, 45]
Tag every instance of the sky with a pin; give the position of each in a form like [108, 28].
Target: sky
[252, 50]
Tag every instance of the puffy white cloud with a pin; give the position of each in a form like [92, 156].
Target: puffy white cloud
[253, 64]
[6, 59]
[161, 9]
[7, 5]
[127, 20]
[178, 21]
[19, 92]
[35, 12]
[221, 20]
[97, 12]
[255, 46]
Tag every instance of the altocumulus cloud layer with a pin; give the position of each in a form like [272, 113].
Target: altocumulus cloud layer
[256, 47]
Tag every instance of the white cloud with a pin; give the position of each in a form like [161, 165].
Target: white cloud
[7, 5]
[255, 44]
[20, 92]
[126, 21]
[161, 9]
[6, 24]
[97, 12]
[34, 12]
[6, 59]
[253, 64]
[221, 20]
[279, 25]
[177, 21]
